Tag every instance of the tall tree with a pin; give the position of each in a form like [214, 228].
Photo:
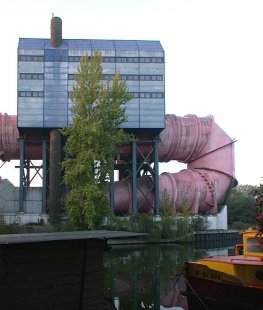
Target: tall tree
[241, 207]
[91, 140]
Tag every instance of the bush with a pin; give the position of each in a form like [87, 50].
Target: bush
[176, 228]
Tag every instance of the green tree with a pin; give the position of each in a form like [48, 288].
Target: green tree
[241, 207]
[91, 140]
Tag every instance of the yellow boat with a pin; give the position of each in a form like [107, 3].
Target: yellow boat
[232, 282]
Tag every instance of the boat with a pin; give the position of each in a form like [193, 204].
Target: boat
[231, 281]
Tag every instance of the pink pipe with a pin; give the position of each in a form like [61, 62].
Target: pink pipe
[9, 140]
[9, 146]
[209, 154]
[199, 142]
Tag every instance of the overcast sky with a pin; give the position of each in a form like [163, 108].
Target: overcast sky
[214, 58]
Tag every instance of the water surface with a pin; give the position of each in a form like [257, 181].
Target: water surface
[149, 276]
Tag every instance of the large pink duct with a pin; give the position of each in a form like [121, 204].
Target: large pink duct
[9, 146]
[197, 141]
[208, 152]
[9, 140]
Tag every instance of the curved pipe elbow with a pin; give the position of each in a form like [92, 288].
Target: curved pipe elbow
[209, 154]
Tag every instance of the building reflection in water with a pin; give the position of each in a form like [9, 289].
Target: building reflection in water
[148, 276]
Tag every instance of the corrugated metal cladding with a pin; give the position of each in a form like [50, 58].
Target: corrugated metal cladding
[46, 77]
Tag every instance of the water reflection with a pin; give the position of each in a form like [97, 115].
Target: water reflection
[147, 277]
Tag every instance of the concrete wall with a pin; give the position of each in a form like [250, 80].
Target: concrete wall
[218, 221]
[9, 204]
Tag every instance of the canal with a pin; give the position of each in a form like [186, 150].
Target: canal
[148, 276]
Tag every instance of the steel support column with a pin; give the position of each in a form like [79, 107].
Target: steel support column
[55, 176]
[44, 175]
[156, 178]
[21, 168]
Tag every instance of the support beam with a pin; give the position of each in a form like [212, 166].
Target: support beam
[44, 175]
[21, 168]
[55, 176]
[156, 178]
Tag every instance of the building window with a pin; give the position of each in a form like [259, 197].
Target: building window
[74, 58]
[71, 76]
[30, 94]
[32, 58]
[31, 76]
[160, 95]
[151, 95]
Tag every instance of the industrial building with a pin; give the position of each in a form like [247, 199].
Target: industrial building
[46, 69]
[46, 76]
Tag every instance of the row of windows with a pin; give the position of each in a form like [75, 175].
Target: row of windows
[123, 59]
[154, 95]
[123, 77]
[148, 95]
[32, 76]
[104, 59]
[128, 77]
[30, 58]
[30, 94]
[135, 94]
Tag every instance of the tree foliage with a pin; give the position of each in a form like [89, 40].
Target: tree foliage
[241, 207]
[91, 140]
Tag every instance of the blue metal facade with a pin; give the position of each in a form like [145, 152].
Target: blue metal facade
[46, 77]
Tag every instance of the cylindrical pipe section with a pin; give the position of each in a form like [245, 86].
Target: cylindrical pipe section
[9, 140]
[199, 190]
[123, 196]
[184, 137]
[55, 176]
[56, 31]
[9, 144]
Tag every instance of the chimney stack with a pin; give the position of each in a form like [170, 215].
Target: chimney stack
[56, 31]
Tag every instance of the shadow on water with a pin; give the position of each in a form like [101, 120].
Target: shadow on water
[148, 276]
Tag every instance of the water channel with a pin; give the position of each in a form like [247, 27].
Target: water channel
[148, 276]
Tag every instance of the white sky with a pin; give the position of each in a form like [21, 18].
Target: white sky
[214, 58]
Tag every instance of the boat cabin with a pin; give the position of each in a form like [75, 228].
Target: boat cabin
[252, 244]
